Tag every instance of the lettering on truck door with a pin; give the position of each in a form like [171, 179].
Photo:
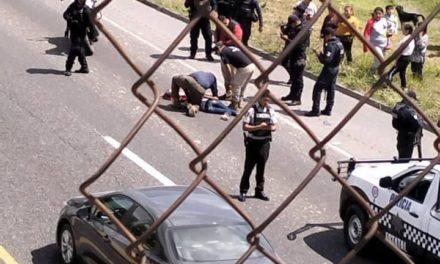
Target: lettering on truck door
[412, 212]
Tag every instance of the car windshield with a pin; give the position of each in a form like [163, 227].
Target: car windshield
[213, 243]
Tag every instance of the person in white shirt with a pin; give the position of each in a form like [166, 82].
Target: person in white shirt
[309, 7]
[404, 59]
[376, 32]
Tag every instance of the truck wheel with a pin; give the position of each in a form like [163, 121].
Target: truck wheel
[355, 225]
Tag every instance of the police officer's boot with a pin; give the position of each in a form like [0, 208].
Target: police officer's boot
[84, 68]
[228, 94]
[69, 66]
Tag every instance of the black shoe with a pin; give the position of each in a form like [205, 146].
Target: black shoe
[261, 196]
[312, 113]
[225, 97]
[242, 197]
[67, 73]
[82, 70]
[286, 98]
[192, 56]
[326, 112]
[209, 58]
[295, 102]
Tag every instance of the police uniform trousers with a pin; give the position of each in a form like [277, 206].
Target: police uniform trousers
[193, 90]
[257, 153]
[246, 26]
[76, 50]
[297, 76]
[204, 26]
[326, 81]
[405, 144]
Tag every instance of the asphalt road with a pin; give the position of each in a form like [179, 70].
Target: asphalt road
[55, 133]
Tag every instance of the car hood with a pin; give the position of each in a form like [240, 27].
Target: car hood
[372, 173]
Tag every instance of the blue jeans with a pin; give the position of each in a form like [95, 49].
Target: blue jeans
[217, 107]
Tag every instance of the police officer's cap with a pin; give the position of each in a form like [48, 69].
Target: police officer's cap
[412, 94]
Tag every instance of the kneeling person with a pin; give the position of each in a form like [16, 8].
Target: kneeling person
[195, 85]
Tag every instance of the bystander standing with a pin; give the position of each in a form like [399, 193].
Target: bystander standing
[344, 32]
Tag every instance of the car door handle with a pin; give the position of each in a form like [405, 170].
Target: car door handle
[414, 214]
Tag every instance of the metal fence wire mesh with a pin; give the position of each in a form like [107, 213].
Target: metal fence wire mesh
[199, 164]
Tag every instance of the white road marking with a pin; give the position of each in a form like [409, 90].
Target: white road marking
[140, 162]
[286, 120]
[5, 257]
[146, 42]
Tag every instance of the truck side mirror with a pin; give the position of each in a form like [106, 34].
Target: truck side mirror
[386, 182]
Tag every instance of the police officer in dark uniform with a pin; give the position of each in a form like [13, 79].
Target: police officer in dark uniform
[246, 12]
[331, 58]
[225, 7]
[78, 20]
[258, 123]
[408, 125]
[296, 61]
[204, 26]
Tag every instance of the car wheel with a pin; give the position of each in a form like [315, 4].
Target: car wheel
[67, 245]
[355, 227]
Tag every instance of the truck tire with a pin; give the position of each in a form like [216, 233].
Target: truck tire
[355, 226]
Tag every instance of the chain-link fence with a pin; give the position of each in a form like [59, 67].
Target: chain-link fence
[199, 165]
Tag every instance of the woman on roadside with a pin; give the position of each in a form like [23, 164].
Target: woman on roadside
[344, 32]
[418, 56]
[376, 32]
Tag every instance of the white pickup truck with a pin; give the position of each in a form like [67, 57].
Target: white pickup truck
[413, 224]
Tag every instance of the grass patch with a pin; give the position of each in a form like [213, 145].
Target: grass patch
[356, 76]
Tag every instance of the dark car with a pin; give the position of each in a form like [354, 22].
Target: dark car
[203, 229]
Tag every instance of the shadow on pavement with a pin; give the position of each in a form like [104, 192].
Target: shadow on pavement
[179, 57]
[61, 48]
[44, 71]
[175, 57]
[330, 245]
[296, 111]
[274, 82]
[46, 255]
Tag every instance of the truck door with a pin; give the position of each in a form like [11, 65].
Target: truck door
[411, 213]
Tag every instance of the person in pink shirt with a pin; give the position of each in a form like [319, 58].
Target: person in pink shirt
[233, 26]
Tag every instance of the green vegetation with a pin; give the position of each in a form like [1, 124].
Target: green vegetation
[355, 76]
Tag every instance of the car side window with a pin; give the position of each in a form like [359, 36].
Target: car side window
[118, 204]
[138, 221]
[419, 192]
